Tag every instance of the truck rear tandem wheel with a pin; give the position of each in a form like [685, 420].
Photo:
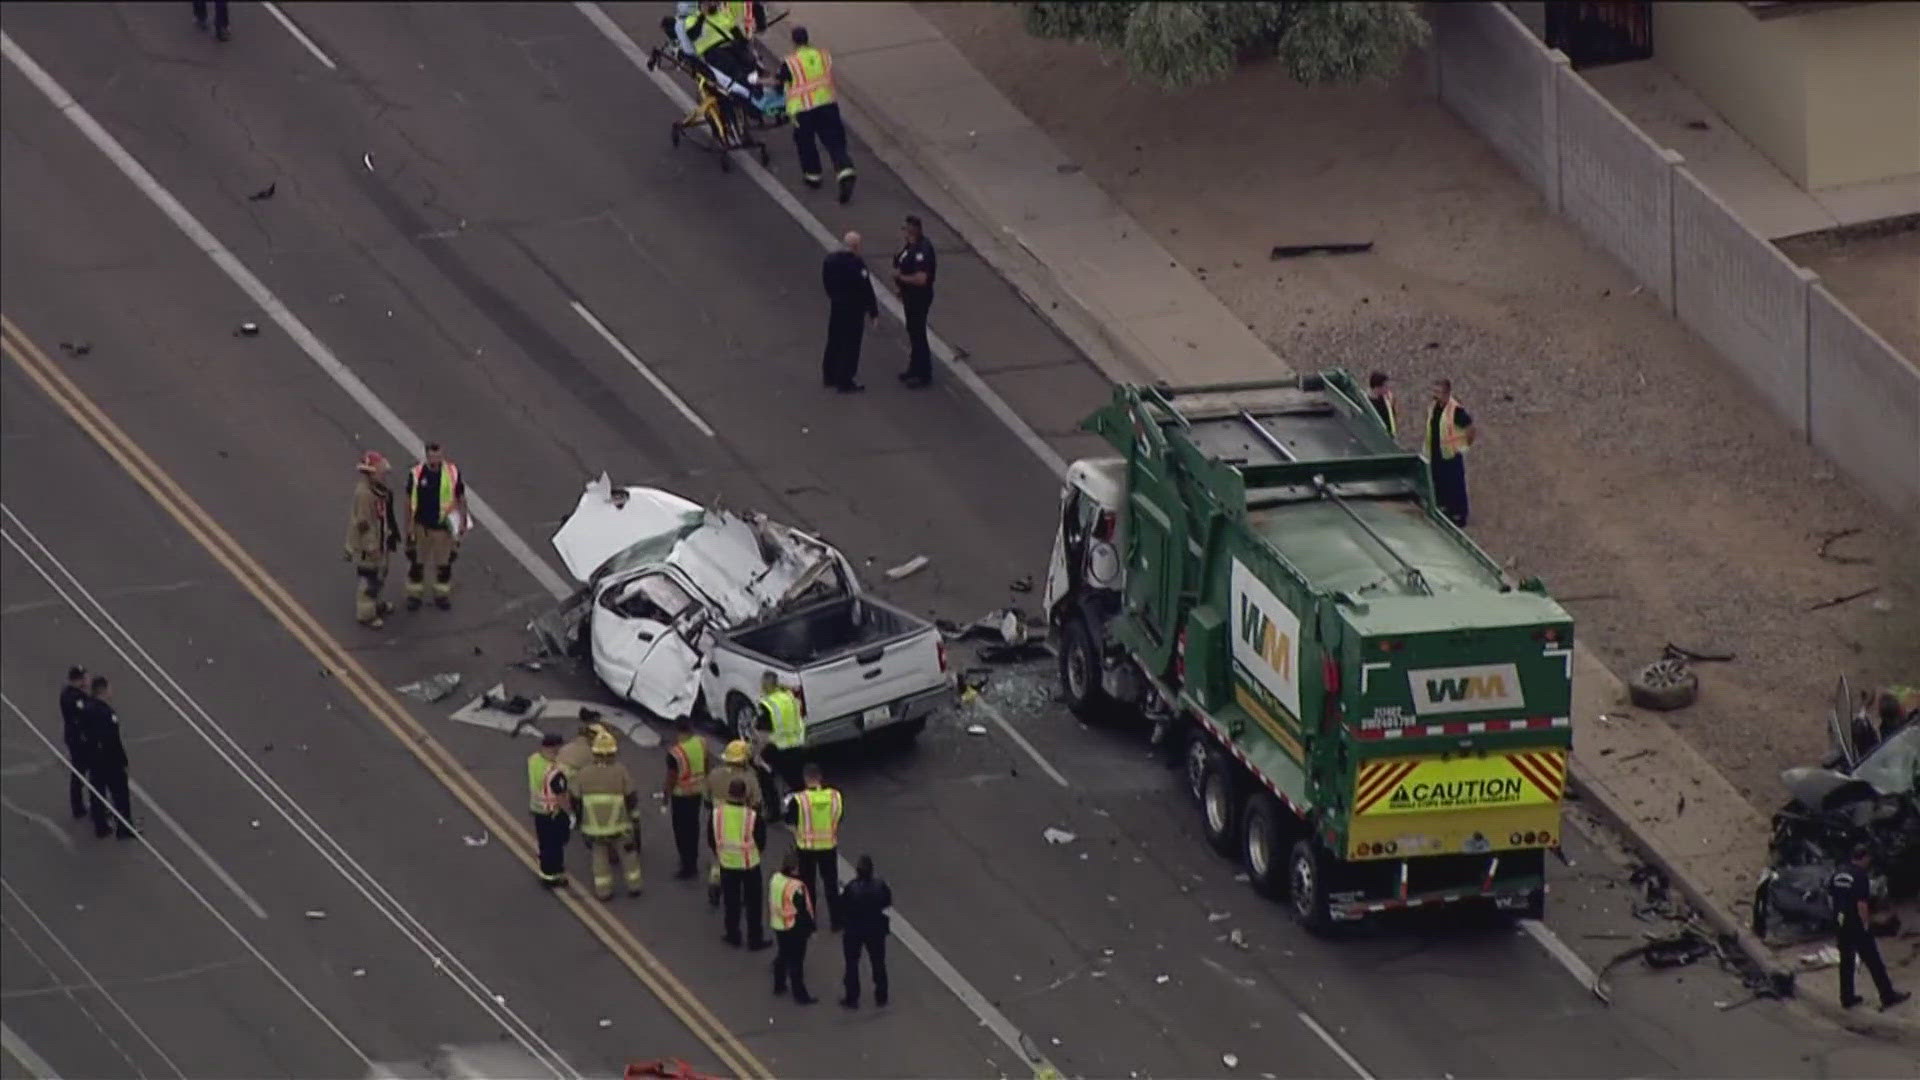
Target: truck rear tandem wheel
[1220, 803]
[1265, 849]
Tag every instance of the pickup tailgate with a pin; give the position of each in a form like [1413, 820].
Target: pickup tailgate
[874, 678]
[852, 657]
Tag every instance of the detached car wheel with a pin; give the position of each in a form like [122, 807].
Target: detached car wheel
[741, 716]
[1664, 685]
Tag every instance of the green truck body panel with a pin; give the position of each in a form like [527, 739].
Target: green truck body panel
[1290, 579]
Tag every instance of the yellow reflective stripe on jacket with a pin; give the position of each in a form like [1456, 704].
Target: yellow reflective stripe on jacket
[712, 32]
[690, 765]
[820, 810]
[449, 482]
[1453, 440]
[783, 907]
[789, 727]
[603, 814]
[811, 79]
[733, 837]
[1392, 419]
[541, 798]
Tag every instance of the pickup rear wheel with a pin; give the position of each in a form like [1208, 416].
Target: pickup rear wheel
[1080, 675]
[1220, 806]
[1265, 846]
[740, 716]
[1307, 886]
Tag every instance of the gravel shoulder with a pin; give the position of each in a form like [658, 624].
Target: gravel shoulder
[1619, 459]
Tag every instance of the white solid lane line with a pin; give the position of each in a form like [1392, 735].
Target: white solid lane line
[298, 34]
[1333, 1044]
[35, 1065]
[188, 708]
[646, 372]
[269, 304]
[147, 800]
[1562, 952]
[86, 973]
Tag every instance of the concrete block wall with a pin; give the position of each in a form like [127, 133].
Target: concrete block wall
[1742, 295]
[1825, 373]
[1863, 400]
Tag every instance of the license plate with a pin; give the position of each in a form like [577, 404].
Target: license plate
[879, 714]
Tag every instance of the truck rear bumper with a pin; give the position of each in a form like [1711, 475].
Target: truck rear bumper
[1509, 881]
[1510, 896]
[917, 706]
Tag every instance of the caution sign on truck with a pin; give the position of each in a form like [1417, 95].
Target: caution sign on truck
[1426, 785]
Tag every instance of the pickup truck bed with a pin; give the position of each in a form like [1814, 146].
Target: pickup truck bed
[859, 664]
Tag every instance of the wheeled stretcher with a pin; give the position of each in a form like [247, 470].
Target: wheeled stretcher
[736, 98]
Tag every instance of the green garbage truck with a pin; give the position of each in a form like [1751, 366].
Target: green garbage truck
[1370, 714]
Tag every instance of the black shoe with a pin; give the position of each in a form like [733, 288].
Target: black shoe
[443, 603]
[849, 1003]
[202, 24]
[851, 387]
[102, 831]
[814, 184]
[713, 899]
[125, 834]
[683, 874]
[221, 35]
[880, 997]
[846, 189]
[759, 946]
[79, 812]
[413, 603]
[731, 939]
[1850, 1002]
[1895, 998]
[801, 997]
[779, 989]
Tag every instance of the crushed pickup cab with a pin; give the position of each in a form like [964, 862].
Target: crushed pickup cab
[683, 608]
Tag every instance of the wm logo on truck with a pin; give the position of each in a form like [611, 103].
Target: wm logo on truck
[1480, 688]
[1268, 641]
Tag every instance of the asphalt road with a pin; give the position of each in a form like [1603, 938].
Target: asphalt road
[444, 203]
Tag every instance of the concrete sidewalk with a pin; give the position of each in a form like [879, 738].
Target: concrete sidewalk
[1008, 190]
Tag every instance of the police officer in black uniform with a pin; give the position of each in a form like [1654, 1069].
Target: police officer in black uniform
[1848, 888]
[913, 272]
[107, 764]
[73, 725]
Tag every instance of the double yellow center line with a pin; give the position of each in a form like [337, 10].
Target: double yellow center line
[379, 702]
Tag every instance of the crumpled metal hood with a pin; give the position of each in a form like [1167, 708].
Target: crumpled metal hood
[607, 522]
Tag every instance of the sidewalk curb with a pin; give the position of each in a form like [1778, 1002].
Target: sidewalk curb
[1119, 361]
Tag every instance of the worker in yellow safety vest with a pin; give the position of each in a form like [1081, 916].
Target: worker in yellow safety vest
[1450, 432]
[807, 78]
[685, 789]
[738, 837]
[782, 723]
[1381, 399]
[547, 797]
[815, 814]
[736, 763]
[609, 811]
[436, 520]
[790, 913]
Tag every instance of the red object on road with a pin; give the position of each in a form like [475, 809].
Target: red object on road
[667, 1068]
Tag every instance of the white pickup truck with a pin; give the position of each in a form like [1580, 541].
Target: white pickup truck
[684, 609]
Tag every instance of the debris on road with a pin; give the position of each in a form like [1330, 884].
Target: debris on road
[476, 841]
[1219, 916]
[1237, 939]
[1825, 957]
[1011, 632]
[1675, 652]
[1827, 540]
[907, 569]
[1022, 584]
[1848, 598]
[1058, 836]
[605, 1023]
[1294, 251]
[316, 913]
[71, 349]
[255, 823]
[248, 329]
[1231, 1061]
[976, 729]
[431, 689]
[367, 160]
[1664, 685]
[264, 193]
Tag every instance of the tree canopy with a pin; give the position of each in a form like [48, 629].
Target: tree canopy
[1180, 44]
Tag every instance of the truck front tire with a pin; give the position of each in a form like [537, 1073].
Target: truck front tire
[1307, 887]
[1265, 847]
[1080, 675]
[1220, 806]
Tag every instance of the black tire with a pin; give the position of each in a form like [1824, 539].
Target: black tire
[1220, 806]
[1307, 887]
[673, 133]
[1663, 686]
[1536, 908]
[1264, 845]
[765, 157]
[908, 733]
[1195, 757]
[1080, 679]
[726, 160]
[741, 716]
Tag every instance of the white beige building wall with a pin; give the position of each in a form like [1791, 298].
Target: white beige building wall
[1831, 97]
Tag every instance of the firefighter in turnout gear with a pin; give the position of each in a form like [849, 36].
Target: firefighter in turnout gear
[609, 811]
[436, 520]
[737, 837]
[815, 815]
[685, 788]
[372, 536]
[547, 792]
[577, 754]
[790, 913]
[736, 763]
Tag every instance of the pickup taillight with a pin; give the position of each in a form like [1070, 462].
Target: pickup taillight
[1103, 526]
